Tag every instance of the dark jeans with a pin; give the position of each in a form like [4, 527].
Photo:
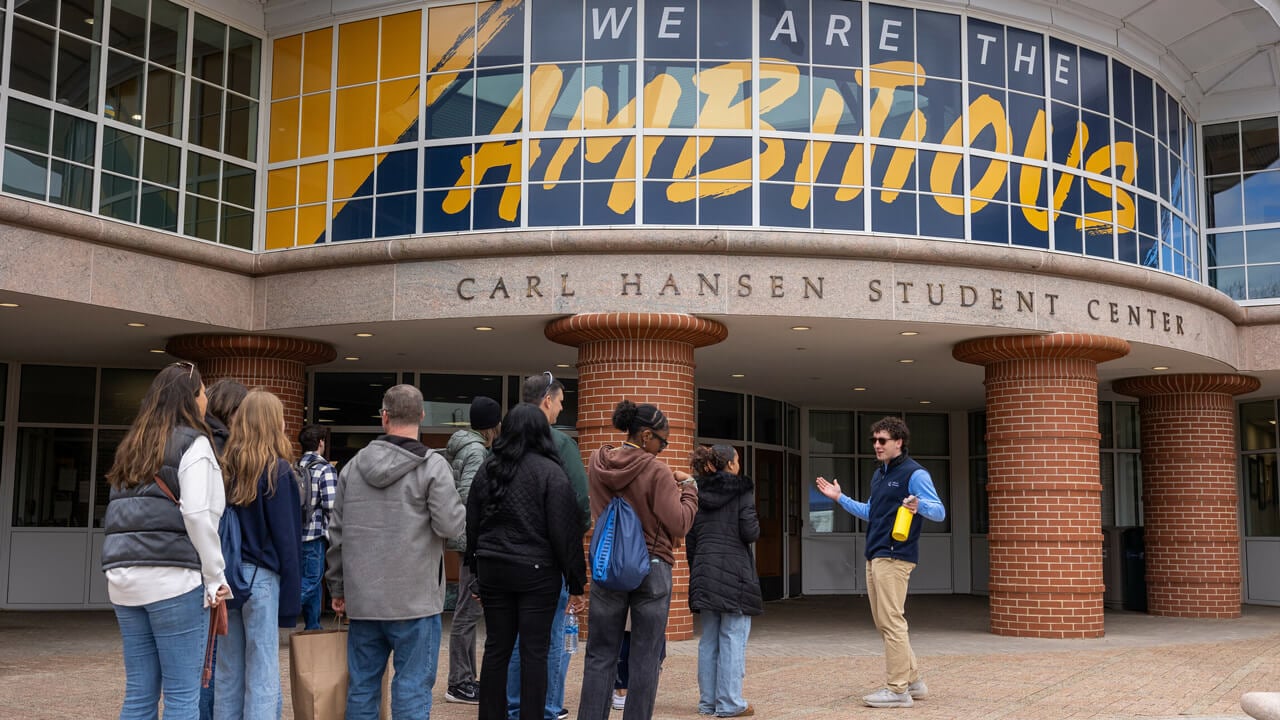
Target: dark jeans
[519, 600]
[648, 605]
[312, 581]
[624, 657]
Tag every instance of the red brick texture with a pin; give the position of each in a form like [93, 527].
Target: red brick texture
[1189, 491]
[1043, 486]
[645, 358]
[277, 364]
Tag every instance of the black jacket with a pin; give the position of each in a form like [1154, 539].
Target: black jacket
[537, 521]
[722, 573]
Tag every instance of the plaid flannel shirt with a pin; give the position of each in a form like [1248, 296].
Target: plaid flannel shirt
[323, 485]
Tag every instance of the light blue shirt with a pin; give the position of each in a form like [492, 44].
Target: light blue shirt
[920, 485]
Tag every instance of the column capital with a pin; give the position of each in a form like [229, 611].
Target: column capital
[1055, 346]
[1182, 383]
[577, 330]
[208, 346]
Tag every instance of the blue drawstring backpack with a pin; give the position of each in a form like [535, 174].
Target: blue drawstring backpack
[619, 555]
[229, 535]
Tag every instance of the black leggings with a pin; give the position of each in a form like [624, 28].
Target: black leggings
[518, 599]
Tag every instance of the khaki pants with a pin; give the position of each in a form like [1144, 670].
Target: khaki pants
[887, 581]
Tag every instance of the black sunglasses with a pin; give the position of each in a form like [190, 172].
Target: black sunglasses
[664, 442]
[880, 440]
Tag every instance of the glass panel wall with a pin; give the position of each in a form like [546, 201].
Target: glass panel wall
[70, 421]
[1242, 214]
[1120, 463]
[837, 451]
[73, 75]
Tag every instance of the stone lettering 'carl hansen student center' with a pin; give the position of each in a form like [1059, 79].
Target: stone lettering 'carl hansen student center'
[1048, 233]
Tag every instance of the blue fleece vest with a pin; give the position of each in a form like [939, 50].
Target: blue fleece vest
[889, 486]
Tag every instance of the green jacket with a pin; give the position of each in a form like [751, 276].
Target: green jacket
[466, 452]
[571, 461]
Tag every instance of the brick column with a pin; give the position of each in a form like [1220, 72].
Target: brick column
[1189, 491]
[645, 358]
[273, 363]
[1044, 490]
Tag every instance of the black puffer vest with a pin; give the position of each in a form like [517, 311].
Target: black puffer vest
[143, 526]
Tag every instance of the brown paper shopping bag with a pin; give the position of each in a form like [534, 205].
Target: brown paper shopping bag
[318, 676]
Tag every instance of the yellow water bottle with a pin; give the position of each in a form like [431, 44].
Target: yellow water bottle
[902, 524]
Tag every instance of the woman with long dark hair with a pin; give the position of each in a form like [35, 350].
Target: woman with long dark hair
[262, 492]
[524, 536]
[723, 586]
[665, 502]
[161, 554]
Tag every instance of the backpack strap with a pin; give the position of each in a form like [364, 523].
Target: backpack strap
[165, 489]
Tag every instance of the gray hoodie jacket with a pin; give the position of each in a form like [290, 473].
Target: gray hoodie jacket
[395, 507]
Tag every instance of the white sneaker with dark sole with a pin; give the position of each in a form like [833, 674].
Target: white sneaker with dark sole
[886, 698]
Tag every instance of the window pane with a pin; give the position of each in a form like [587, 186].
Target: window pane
[128, 26]
[351, 399]
[347, 444]
[242, 63]
[237, 227]
[121, 394]
[1260, 143]
[831, 431]
[4, 391]
[159, 208]
[1106, 428]
[979, 515]
[208, 50]
[164, 102]
[241, 127]
[56, 394]
[73, 138]
[1128, 489]
[124, 88]
[720, 415]
[202, 174]
[1257, 425]
[168, 34]
[77, 73]
[120, 152]
[202, 218]
[118, 198]
[206, 110]
[81, 17]
[826, 515]
[237, 185]
[1222, 148]
[1127, 430]
[928, 434]
[108, 441]
[768, 421]
[25, 174]
[1262, 512]
[71, 185]
[160, 163]
[51, 478]
[27, 126]
[448, 397]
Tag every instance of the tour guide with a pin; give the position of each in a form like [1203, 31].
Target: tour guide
[898, 481]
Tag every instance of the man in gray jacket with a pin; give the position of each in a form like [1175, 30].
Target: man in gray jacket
[395, 508]
[467, 451]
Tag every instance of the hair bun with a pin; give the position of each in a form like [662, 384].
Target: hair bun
[624, 415]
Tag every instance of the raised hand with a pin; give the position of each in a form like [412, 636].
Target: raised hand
[830, 488]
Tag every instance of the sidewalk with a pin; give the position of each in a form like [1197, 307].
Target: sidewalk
[807, 658]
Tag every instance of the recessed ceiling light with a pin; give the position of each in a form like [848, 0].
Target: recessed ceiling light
[88, 21]
[136, 324]
[906, 361]
[737, 375]
[859, 389]
[483, 328]
[135, 116]
[1160, 367]
[800, 328]
[157, 351]
[351, 357]
[908, 333]
[364, 334]
[8, 305]
[563, 365]
[800, 348]
[1273, 422]
[926, 402]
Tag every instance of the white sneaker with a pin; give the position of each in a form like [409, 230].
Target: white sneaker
[619, 701]
[886, 698]
[918, 690]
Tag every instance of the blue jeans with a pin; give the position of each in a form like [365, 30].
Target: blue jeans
[416, 644]
[557, 667]
[163, 645]
[722, 663]
[249, 655]
[312, 587]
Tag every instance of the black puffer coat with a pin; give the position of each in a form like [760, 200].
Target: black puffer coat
[722, 574]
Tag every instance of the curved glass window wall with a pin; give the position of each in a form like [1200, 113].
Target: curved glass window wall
[806, 114]
[143, 111]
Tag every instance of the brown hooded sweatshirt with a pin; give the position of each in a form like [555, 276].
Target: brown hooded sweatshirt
[665, 509]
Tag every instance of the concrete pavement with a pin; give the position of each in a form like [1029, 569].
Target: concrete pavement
[812, 657]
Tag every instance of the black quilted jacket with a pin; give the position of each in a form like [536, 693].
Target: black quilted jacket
[537, 523]
[722, 574]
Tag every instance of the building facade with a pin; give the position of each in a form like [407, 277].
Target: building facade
[1048, 233]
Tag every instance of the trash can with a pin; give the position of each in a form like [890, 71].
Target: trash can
[1134, 561]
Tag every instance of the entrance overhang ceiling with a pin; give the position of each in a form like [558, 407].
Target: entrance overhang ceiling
[1221, 56]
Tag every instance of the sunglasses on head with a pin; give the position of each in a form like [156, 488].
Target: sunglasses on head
[551, 380]
[190, 366]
